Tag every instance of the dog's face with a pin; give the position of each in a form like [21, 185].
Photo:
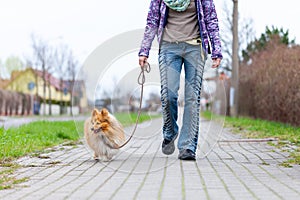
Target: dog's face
[100, 120]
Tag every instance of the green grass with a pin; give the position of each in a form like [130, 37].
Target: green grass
[35, 136]
[206, 114]
[127, 119]
[257, 128]
[30, 138]
[7, 180]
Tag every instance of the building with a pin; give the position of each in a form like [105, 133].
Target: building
[58, 92]
[3, 82]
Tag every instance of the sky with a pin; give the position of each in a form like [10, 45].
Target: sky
[86, 24]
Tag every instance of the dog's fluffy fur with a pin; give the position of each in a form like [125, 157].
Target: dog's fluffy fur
[102, 131]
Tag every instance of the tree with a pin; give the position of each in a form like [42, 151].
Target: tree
[13, 63]
[246, 34]
[60, 60]
[43, 55]
[49, 70]
[1, 70]
[72, 67]
[260, 43]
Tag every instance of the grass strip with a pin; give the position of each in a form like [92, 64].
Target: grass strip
[286, 134]
[127, 119]
[35, 136]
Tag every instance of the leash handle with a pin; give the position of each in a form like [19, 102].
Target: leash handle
[145, 68]
[141, 81]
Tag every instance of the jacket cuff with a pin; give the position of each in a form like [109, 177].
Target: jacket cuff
[144, 52]
[216, 56]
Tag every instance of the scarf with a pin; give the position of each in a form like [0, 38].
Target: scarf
[177, 5]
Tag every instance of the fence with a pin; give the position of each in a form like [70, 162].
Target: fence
[15, 103]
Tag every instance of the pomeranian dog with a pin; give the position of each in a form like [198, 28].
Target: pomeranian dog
[103, 133]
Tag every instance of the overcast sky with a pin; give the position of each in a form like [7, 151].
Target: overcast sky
[85, 24]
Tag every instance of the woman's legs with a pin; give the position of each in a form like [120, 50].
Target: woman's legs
[171, 58]
[170, 65]
[194, 67]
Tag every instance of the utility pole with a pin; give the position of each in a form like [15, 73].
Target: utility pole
[235, 62]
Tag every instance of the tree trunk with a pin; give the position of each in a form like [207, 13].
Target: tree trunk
[50, 98]
[71, 112]
[37, 99]
[44, 89]
[71, 96]
[235, 59]
[61, 96]
[36, 86]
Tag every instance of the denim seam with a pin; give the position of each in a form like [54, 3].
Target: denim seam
[164, 95]
[196, 84]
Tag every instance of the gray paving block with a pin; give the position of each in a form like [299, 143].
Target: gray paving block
[234, 170]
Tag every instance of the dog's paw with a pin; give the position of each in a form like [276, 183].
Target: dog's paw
[96, 157]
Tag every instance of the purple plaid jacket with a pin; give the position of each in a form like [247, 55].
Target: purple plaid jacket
[207, 20]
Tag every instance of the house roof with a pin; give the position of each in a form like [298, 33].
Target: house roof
[55, 82]
[3, 83]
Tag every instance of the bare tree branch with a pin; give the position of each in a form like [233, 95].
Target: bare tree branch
[246, 34]
[42, 55]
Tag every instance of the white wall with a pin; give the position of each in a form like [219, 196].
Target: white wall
[55, 109]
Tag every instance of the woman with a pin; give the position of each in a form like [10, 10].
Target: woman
[187, 30]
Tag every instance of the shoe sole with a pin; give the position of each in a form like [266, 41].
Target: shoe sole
[187, 158]
[170, 148]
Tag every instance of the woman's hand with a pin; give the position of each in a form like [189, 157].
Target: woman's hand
[216, 62]
[142, 60]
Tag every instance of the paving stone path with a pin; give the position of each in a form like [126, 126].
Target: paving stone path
[235, 169]
[8, 122]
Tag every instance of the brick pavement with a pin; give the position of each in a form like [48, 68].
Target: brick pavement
[235, 169]
[13, 121]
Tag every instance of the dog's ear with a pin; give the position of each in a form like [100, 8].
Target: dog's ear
[95, 112]
[104, 112]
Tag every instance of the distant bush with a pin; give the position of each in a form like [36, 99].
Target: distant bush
[270, 83]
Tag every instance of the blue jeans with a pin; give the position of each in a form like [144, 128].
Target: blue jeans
[172, 56]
